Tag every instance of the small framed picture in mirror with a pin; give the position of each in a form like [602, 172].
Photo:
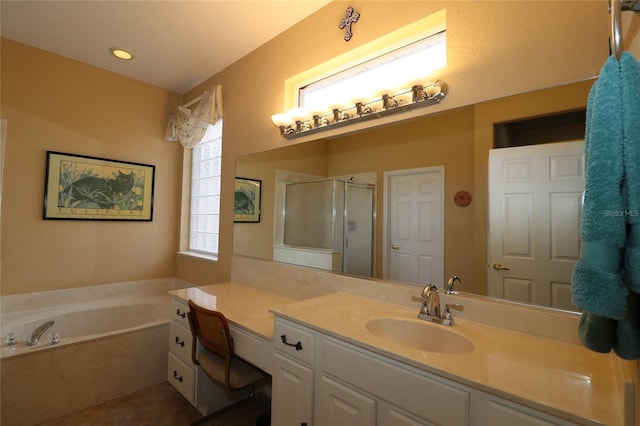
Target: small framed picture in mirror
[246, 200]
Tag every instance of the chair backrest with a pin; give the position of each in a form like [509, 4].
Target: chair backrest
[212, 330]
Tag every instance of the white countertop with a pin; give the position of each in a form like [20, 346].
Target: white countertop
[562, 379]
[242, 305]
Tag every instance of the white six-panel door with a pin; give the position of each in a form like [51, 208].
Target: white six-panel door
[414, 234]
[535, 206]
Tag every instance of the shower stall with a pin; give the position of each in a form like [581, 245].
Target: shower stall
[329, 224]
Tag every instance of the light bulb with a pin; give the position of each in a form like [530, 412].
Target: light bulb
[298, 114]
[281, 119]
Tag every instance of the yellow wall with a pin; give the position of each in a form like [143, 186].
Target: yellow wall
[53, 103]
[495, 49]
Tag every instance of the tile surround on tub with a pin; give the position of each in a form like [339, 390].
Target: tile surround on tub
[56, 383]
[48, 382]
[48, 299]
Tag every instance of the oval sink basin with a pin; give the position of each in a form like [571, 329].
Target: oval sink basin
[421, 335]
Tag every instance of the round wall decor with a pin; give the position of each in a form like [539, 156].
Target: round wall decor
[462, 198]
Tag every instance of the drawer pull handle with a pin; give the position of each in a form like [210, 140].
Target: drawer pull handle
[298, 345]
[179, 342]
[175, 376]
[181, 314]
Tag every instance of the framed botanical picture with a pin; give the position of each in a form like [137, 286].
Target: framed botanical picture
[82, 187]
[246, 200]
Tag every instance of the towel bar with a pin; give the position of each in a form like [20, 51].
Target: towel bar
[616, 7]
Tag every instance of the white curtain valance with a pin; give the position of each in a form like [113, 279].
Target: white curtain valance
[189, 127]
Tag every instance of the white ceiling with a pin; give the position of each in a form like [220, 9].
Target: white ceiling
[177, 44]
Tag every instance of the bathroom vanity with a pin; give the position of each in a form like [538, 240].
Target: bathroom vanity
[341, 358]
[344, 373]
[250, 323]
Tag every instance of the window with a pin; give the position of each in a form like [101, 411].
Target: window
[204, 212]
[385, 72]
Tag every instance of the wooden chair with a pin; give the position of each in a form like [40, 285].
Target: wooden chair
[217, 358]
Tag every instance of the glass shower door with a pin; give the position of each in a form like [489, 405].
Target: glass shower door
[358, 241]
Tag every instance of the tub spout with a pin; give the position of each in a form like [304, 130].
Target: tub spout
[38, 332]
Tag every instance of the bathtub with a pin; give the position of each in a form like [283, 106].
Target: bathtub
[83, 322]
[112, 342]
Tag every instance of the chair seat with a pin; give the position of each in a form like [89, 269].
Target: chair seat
[242, 374]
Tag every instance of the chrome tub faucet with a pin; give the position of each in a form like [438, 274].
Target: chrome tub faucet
[38, 332]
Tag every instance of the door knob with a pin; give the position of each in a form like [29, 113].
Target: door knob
[395, 247]
[499, 267]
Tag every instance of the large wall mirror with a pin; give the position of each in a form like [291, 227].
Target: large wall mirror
[458, 143]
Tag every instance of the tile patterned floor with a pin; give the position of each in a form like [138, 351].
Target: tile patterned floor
[159, 405]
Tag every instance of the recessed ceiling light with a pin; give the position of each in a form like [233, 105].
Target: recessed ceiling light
[121, 53]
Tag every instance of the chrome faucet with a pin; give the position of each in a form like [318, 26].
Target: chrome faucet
[449, 286]
[430, 302]
[430, 309]
[38, 332]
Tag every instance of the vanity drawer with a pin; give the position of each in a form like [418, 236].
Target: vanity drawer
[181, 377]
[249, 347]
[178, 313]
[294, 341]
[180, 340]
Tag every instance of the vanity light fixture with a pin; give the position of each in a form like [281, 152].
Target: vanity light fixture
[300, 122]
[120, 53]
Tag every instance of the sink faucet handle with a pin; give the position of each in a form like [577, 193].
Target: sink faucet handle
[449, 306]
[449, 286]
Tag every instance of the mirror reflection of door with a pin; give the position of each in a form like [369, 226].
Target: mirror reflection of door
[535, 195]
[414, 226]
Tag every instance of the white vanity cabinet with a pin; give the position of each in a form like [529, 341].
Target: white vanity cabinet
[340, 404]
[492, 410]
[189, 379]
[340, 383]
[186, 377]
[399, 394]
[292, 386]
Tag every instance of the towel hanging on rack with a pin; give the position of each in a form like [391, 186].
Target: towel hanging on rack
[606, 279]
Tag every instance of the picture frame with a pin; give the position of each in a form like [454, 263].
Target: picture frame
[80, 187]
[246, 200]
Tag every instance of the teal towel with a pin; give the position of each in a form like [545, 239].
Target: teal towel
[631, 117]
[601, 334]
[596, 332]
[626, 343]
[596, 283]
[606, 279]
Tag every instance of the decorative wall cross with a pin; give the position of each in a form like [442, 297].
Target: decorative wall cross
[350, 17]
